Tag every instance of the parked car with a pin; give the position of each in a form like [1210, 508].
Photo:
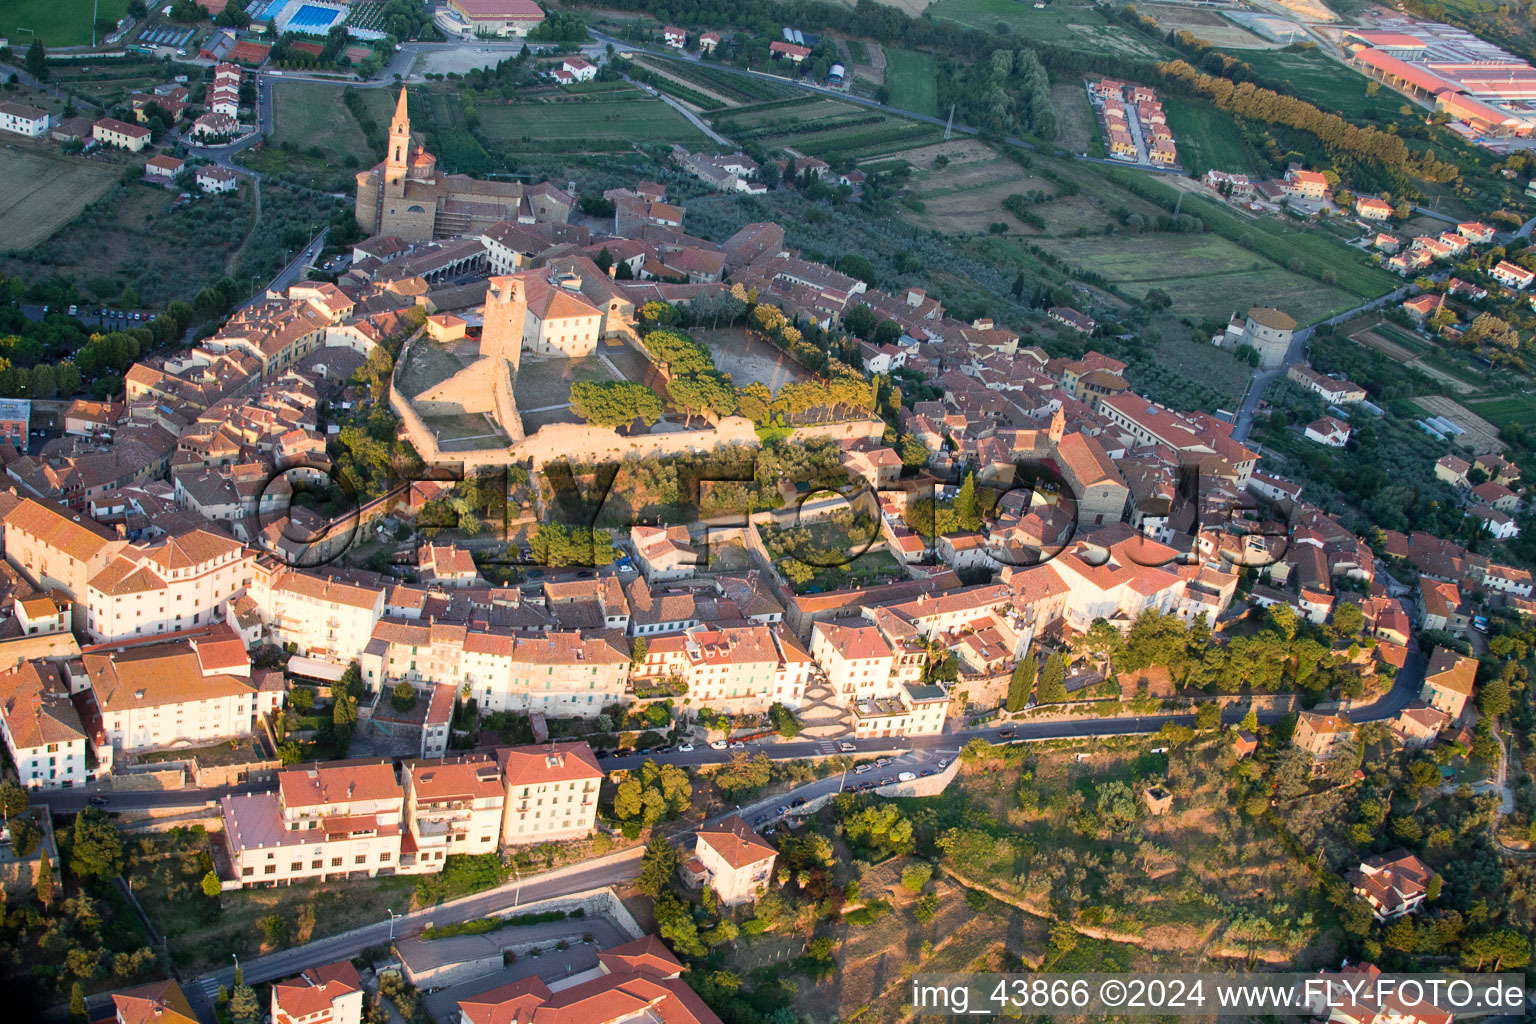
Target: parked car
[737, 745]
[882, 761]
[860, 769]
[718, 745]
[685, 748]
[886, 780]
[905, 777]
[845, 747]
[759, 819]
[98, 801]
[1007, 734]
[780, 811]
[926, 772]
[798, 801]
[943, 763]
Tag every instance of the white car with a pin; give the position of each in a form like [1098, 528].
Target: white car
[685, 748]
[718, 745]
[905, 777]
[846, 747]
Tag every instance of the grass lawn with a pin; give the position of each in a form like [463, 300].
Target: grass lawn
[1206, 138]
[44, 190]
[1328, 84]
[911, 79]
[311, 114]
[613, 123]
[55, 22]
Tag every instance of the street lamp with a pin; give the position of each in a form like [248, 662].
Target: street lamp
[393, 917]
[517, 892]
[237, 968]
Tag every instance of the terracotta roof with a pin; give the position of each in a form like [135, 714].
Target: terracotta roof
[316, 989]
[541, 765]
[1273, 318]
[159, 1002]
[35, 706]
[338, 782]
[470, 778]
[67, 532]
[736, 843]
[156, 674]
[854, 639]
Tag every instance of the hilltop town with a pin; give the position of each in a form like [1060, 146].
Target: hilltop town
[517, 512]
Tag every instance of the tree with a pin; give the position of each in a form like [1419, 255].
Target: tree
[915, 876]
[37, 60]
[615, 403]
[45, 881]
[344, 712]
[244, 1008]
[1208, 716]
[13, 799]
[1022, 682]
[404, 696]
[211, 885]
[638, 652]
[967, 507]
[97, 851]
[656, 867]
[1051, 689]
[1101, 640]
[1250, 721]
[78, 1012]
[1493, 697]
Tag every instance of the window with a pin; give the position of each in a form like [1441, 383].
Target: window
[335, 862]
[270, 869]
[361, 858]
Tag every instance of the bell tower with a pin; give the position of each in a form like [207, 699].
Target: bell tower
[398, 162]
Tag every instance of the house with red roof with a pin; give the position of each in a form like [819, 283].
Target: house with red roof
[732, 860]
[327, 994]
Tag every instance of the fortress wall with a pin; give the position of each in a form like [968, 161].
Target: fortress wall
[504, 403]
[870, 429]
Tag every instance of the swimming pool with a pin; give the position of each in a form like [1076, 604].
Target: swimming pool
[309, 18]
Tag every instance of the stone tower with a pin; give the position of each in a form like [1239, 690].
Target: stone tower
[397, 163]
[506, 307]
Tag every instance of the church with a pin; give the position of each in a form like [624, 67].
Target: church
[405, 195]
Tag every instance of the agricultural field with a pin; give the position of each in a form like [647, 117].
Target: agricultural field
[1206, 138]
[44, 191]
[1204, 274]
[912, 80]
[1507, 410]
[1077, 27]
[733, 88]
[55, 22]
[613, 122]
[1328, 84]
[312, 114]
[108, 81]
[827, 129]
[967, 193]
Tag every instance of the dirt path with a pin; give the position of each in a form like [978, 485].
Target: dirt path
[233, 259]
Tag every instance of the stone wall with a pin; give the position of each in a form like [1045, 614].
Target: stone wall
[852, 430]
[157, 781]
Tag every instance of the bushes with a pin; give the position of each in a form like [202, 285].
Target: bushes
[482, 926]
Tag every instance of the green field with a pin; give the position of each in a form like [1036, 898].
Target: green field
[311, 114]
[1076, 27]
[1506, 411]
[1206, 138]
[45, 190]
[55, 22]
[1328, 84]
[106, 81]
[826, 129]
[911, 78]
[609, 124]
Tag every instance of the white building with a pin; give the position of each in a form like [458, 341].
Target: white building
[735, 669]
[194, 691]
[560, 320]
[325, 617]
[42, 730]
[174, 584]
[23, 120]
[326, 821]
[452, 806]
[216, 179]
[328, 994]
[551, 793]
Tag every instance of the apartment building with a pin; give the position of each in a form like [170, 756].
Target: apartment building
[918, 710]
[112, 132]
[451, 806]
[739, 670]
[325, 616]
[41, 727]
[556, 673]
[177, 583]
[326, 821]
[732, 860]
[864, 660]
[327, 994]
[193, 691]
[58, 549]
[23, 120]
[551, 793]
